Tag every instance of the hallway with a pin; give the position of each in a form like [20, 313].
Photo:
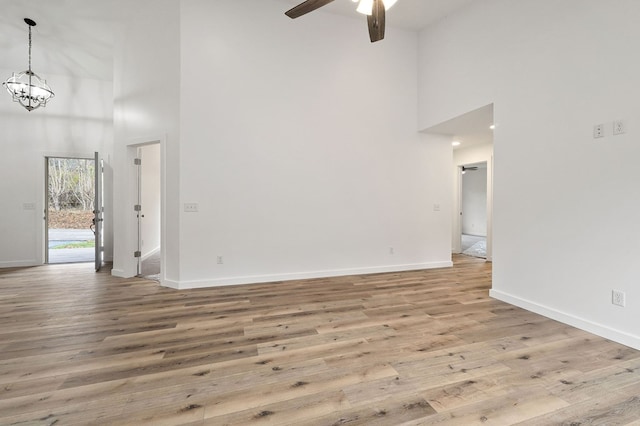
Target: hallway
[474, 246]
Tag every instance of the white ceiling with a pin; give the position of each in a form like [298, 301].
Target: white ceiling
[75, 37]
[72, 37]
[407, 14]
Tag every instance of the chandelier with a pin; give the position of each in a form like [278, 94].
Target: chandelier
[27, 87]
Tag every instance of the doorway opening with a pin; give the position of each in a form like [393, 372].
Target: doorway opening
[70, 210]
[473, 217]
[472, 143]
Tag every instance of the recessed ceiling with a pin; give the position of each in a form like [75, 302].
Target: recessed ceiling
[406, 14]
[469, 129]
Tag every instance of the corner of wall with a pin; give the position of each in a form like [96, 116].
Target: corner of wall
[598, 329]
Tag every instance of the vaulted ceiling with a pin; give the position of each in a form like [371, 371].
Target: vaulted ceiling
[407, 14]
[72, 37]
[75, 37]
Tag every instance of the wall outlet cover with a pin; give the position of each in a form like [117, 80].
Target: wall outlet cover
[618, 298]
[619, 127]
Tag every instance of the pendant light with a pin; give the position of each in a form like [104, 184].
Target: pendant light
[27, 87]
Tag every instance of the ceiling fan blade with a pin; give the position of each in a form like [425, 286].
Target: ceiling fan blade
[376, 21]
[306, 7]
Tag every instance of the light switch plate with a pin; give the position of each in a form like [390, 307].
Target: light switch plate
[598, 131]
[191, 207]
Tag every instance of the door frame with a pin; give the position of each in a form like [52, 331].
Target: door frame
[458, 226]
[126, 218]
[149, 180]
[43, 252]
[457, 207]
[98, 210]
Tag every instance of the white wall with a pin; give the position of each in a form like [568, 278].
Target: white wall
[146, 110]
[301, 149]
[567, 202]
[150, 225]
[474, 202]
[77, 122]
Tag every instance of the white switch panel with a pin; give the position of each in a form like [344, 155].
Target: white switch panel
[598, 131]
[191, 207]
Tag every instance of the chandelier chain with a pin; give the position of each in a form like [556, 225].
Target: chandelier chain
[29, 49]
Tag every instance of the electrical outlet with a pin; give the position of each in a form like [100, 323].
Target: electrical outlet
[598, 131]
[618, 298]
[619, 127]
[391, 251]
[191, 207]
[220, 260]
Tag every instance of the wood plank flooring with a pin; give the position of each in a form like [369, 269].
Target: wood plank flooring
[411, 348]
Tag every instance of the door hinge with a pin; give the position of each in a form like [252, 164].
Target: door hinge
[137, 208]
[137, 254]
[137, 161]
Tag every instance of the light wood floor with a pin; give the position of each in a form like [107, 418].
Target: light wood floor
[414, 348]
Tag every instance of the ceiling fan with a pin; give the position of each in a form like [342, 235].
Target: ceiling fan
[374, 9]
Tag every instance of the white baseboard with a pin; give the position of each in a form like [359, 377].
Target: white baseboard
[170, 284]
[20, 263]
[151, 253]
[254, 279]
[601, 330]
[119, 273]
